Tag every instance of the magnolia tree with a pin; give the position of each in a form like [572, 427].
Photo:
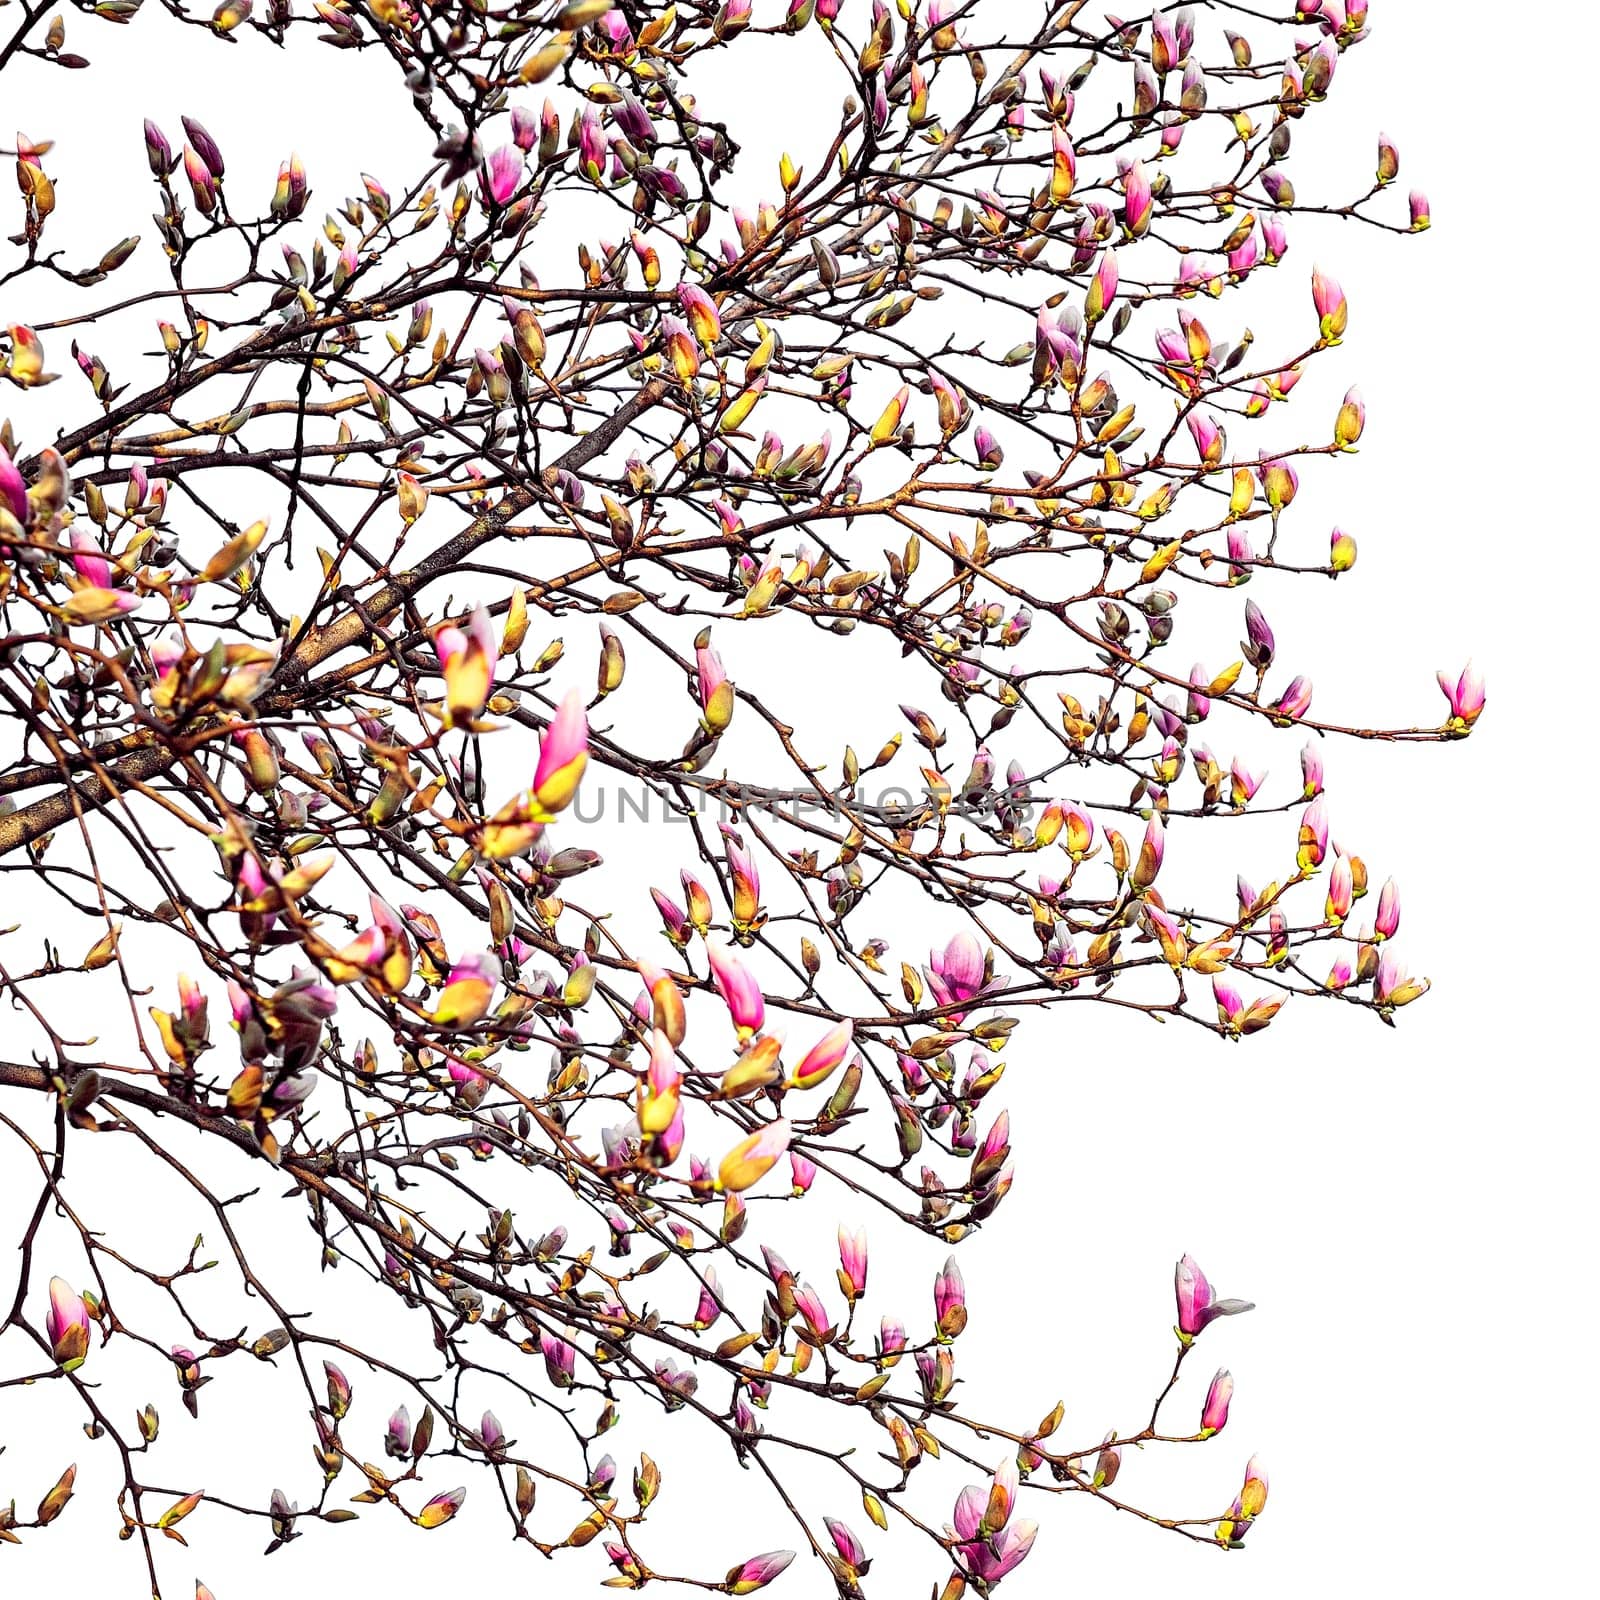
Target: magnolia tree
[381, 530]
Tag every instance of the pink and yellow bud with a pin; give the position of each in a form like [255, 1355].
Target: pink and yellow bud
[738, 987]
[1313, 846]
[701, 310]
[1341, 551]
[1214, 1417]
[752, 1158]
[757, 1572]
[852, 1263]
[1293, 703]
[1391, 988]
[1333, 310]
[1387, 922]
[1102, 288]
[1151, 853]
[1279, 483]
[1198, 1306]
[441, 1508]
[949, 1302]
[66, 1326]
[563, 755]
[824, 1058]
[467, 660]
[1351, 421]
[1138, 202]
[1341, 891]
[1063, 166]
[464, 1000]
[1466, 697]
[681, 349]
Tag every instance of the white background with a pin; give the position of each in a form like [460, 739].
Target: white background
[1404, 1205]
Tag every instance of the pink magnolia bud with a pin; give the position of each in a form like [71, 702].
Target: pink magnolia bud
[1387, 922]
[339, 1390]
[1064, 165]
[66, 1326]
[560, 1360]
[1341, 891]
[1351, 421]
[802, 1172]
[852, 1263]
[441, 1508]
[1214, 1418]
[1333, 310]
[1341, 551]
[757, 1572]
[824, 1057]
[1466, 696]
[1102, 288]
[950, 1301]
[202, 182]
[1391, 988]
[563, 754]
[851, 1551]
[1209, 438]
[499, 176]
[701, 310]
[1197, 1306]
[739, 990]
[1293, 703]
[1138, 204]
[1151, 854]
[1279, 483]
[397, 1434]
[1421, 214]
[752, 1158]
[1313, 845]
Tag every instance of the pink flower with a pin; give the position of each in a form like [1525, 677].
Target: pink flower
[13, 488]
[66, 1326]
[1466, 696]
[739, 990]
[1102, 288]
[1391, 988]
[758, 1571]
[1313, 846]
[852, 1262]
[1311, 771]
[950, 1301]
[701, 310]
[500, 174]
[1387, 922]
[1214, 1418]
[563, 754]
[1294, 702]
[851, 1551]
[1333, 309]
[560, 1360]
[1341, 890]
[1137, 201]
[824, 1057]
[1196, 1304]
[397, 1435]
[988, 1543]
[956, 974]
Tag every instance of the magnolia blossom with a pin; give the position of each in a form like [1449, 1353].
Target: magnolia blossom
[1197, 1306]
[988, 1543]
